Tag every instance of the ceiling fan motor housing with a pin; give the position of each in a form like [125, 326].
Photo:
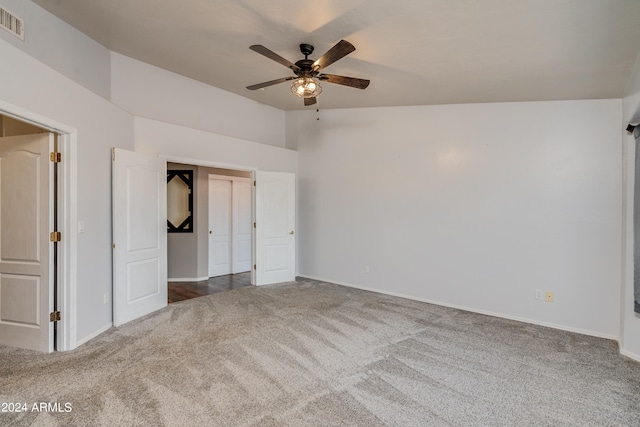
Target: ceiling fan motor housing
[306, 64]
[306, 68]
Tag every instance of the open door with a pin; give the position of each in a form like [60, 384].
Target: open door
[26, 251]
[139, 235]
[275, 194]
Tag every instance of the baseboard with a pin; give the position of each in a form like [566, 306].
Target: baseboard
[105, 328]
[473, 310]
[188, 279]
[630, 355]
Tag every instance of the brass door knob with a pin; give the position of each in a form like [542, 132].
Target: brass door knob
[210, 232]
[291, 232]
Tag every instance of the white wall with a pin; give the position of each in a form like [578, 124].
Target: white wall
[630, 321]
[151, 92]
[474, 206]
[29, 84]
[61, 47]
[189, 145]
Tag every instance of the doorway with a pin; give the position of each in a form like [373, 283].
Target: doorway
[228, 243]
[273, 229]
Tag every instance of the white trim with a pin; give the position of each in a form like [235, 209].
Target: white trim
[630, 355]
[67, 218]
[470, 309]
[95, 334]
[207, 163]
[254, 248]
[229, 177]
[188, 279]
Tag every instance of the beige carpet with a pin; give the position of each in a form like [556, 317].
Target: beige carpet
[317, 354]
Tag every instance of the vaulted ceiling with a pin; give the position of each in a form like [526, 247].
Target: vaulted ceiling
[414, 51]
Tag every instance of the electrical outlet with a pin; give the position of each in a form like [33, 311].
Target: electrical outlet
[548, 297]
[540, 294]
[366, 268]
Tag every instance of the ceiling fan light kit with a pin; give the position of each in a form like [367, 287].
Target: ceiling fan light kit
[306, 82]
[306, 87]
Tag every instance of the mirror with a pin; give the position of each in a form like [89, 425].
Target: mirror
[179, 201]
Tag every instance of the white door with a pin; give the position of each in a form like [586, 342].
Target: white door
[275, 227]
[242, 227]
[26, 253]
[220, 238]
[139, 235]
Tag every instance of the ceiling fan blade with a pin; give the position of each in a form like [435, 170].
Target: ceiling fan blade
[345, 81]
[309, 101]
[274, 56]
[340, 50]
[270, 83]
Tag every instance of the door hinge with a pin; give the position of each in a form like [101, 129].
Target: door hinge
[113, 153]
[55, 157]
[55, 236]
[254, 183]
[254, 225]
[254, 266]
[54, 316]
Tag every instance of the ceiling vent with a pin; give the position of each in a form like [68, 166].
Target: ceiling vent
[11, 23]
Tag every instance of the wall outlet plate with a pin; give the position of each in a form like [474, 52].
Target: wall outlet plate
[548, 297]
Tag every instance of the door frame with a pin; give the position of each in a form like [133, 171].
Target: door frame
[221, 165]
[66, 267]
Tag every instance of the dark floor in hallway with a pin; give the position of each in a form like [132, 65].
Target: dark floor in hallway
[179, 291]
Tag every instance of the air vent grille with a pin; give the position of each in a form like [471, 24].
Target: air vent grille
[11, 23]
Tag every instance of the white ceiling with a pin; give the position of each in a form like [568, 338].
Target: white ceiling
[413, 51]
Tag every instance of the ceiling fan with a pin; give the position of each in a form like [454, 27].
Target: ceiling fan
[307, 77]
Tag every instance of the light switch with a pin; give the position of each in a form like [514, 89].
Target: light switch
[80, 226]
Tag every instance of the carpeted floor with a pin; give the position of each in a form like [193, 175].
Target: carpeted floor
[317, 354]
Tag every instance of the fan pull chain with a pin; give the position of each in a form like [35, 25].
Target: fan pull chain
[317, 109]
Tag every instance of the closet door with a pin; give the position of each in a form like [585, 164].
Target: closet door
[220, 227]
[242, 226]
